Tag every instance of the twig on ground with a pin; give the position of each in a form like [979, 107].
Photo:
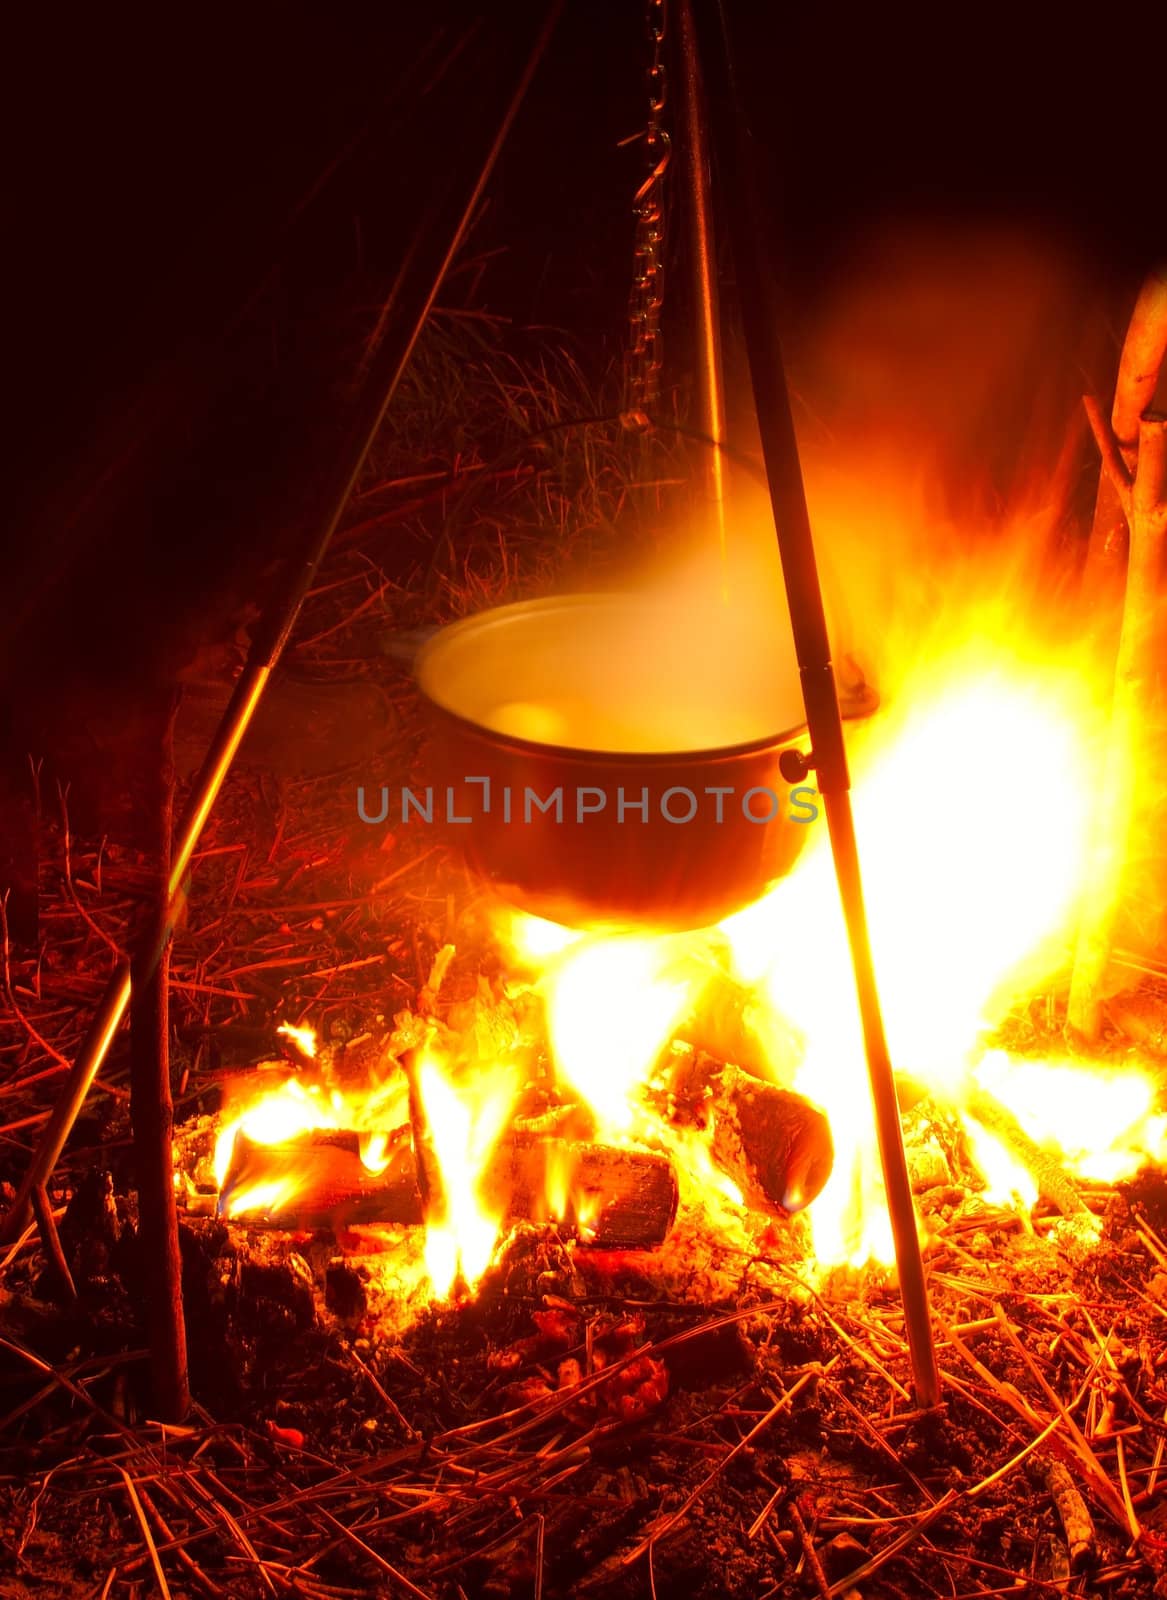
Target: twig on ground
[43, 1212]
[144, 1524]
[813, 1559]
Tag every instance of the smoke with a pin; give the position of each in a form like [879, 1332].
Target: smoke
[937, 400]
[937, 397]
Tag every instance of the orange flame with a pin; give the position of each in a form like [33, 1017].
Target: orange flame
[974, 787]
[973, 793]
[302, 1036]
[465, 1121]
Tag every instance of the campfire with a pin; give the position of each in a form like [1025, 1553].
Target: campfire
[647, 1052]
[613, 1170]
[588, 1173]
[593, 1079]
[672, 1114]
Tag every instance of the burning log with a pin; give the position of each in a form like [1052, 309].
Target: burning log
[318, 1180]
[774, 1144]
[1132, 493]
[613, 1198]
[616, 1198]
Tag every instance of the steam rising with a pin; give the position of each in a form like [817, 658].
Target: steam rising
[933, 396]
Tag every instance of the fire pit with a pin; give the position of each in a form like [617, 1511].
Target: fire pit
[469, 1129]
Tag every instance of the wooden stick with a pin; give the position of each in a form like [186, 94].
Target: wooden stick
[152, 1108]
[758, 303]
[813, 1559]
[51, 1240]
[139, 1512]
[1133, 678]
[1113, 465]
[427, 1168]
[1141, 361]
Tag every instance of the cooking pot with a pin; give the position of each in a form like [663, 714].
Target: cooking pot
[605, 763]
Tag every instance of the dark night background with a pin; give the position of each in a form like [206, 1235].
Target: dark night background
[155, 158]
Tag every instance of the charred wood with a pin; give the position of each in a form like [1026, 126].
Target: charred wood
[614, 1198]
[1073, 1513]
[774, 1144]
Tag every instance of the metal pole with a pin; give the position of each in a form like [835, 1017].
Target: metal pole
[733, 149]
[693, 149]
[414, 295]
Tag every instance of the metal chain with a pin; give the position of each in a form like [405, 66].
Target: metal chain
[643, 359]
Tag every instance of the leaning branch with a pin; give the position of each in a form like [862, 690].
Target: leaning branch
[1114, 466]
[1134, 392]
[1140, 364]
[1133, 679]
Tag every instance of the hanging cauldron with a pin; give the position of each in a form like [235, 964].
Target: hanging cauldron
[602, 763]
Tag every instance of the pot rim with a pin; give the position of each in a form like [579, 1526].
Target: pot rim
[481, 621]
[633, 758]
